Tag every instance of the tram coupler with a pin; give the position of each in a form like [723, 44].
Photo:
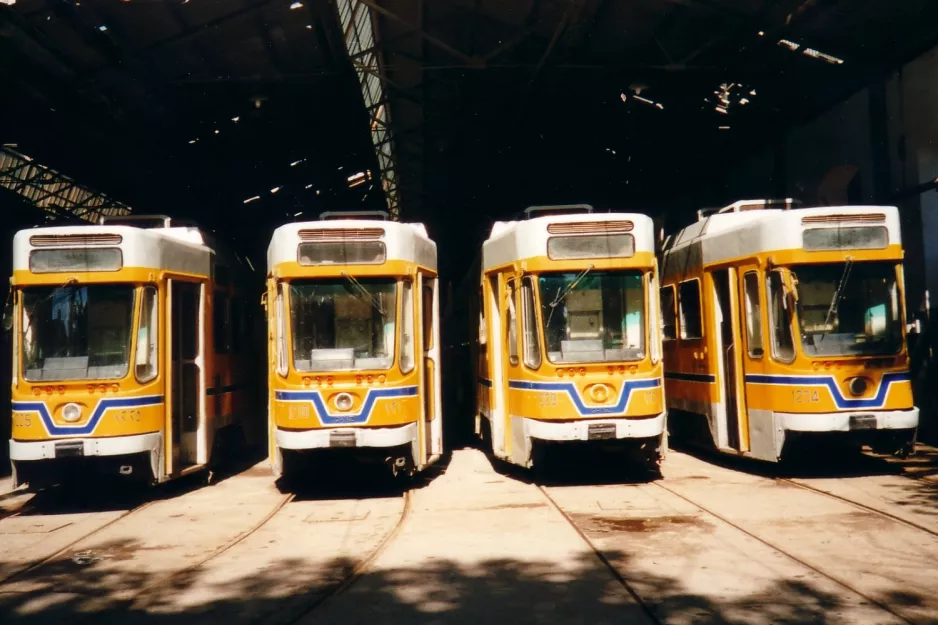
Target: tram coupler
[400, 464]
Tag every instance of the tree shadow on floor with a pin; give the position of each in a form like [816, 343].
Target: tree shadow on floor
[505, 590]
[918, 490]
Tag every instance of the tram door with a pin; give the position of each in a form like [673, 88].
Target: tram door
[727, 312]
[429, 316]
[185, 358]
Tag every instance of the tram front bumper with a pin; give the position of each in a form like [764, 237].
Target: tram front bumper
[853, 421]
[36, 462]
[591, 429]
[346, 437]
[78, 447]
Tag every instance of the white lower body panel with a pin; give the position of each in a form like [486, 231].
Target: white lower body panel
[113, 446]
[841, 421]
[364, 437]
[524, 430]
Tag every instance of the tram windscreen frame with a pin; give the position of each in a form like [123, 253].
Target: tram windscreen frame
[343, 324]
[593, 316]
[850, 308]
[77, 331]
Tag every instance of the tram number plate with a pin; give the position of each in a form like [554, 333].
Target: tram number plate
[601, 431]
[341, 439]
[862, 422]
[69, 449]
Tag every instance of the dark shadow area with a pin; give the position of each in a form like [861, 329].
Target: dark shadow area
[104, 494]
[504, 590]
[346, 475]
[575, 464]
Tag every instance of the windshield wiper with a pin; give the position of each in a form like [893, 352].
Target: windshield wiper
[835, 301]
[562, 293]
[364, 293]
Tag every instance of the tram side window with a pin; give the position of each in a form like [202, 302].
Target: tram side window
[281, 331]
[222, 327]
[668, 314]
[427, 317]
[145, 368]
[407, 326]
[532, 348]
[512, 326]
[783, 345]
[753, 315]
[482, 337]
[689, 304]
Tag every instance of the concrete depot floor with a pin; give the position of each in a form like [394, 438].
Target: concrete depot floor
[712, 541]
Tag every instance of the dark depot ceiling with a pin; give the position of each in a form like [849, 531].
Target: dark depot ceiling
[247, 112]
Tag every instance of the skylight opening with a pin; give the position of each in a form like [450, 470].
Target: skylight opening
[817, 54]
[236, 119]
[296, 5]
[275, 190]
[102, 28]
[252, 199]
[358, 179]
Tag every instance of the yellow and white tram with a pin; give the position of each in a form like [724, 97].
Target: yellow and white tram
[568, 336]
[118, 365]
[783, 323]
[354, 336]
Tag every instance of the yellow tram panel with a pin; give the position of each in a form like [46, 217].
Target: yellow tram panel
[568, 347]
[782, 323]
[353, 335]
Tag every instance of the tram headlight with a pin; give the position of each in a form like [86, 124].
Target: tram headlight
[71, 412]
[344, 402]
[858, 386]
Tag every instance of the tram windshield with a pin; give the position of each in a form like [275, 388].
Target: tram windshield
[849, 308]
[77, 332]
[593, 316]
[343, 324]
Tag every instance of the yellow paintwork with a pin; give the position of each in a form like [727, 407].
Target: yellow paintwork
[699, 356]
[298, 415]
[119, 421]
[553, 405]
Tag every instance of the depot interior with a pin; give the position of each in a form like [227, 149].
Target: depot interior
[246, 114]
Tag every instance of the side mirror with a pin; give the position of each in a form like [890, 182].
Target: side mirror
[8, 317]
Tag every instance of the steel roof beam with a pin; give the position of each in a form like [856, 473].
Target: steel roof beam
[52, 192]
[358, 26]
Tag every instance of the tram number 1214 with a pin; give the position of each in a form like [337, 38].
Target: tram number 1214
[805, 396]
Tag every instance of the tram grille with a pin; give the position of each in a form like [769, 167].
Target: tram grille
[347, 234]
[59, 240]
[876, 218]
[591, 227]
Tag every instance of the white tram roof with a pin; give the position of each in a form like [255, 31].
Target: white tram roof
[180, 248]
[510, 241]
[403, 241]
[737, 232]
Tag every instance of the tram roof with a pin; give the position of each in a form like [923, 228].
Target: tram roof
[403, 241]
[515, 240]
[181, 249]
[724, 236]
